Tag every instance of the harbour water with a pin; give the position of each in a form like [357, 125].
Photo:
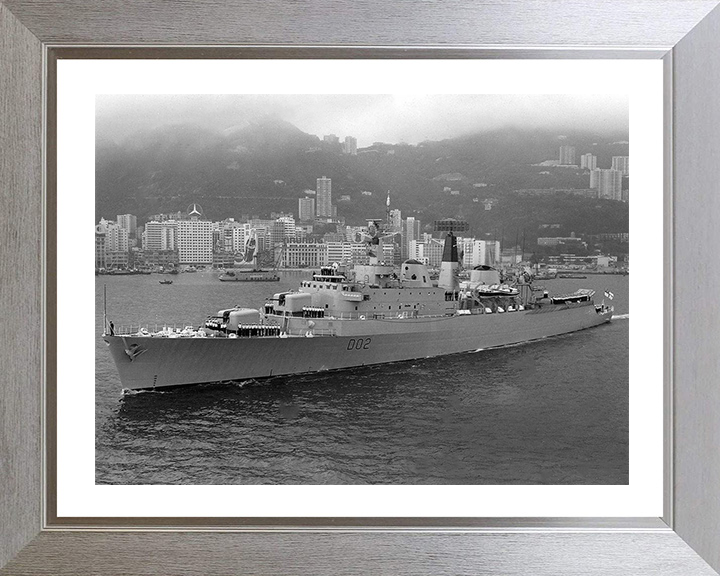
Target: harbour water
[548, 412]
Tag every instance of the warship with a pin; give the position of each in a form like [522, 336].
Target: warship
[345, 317]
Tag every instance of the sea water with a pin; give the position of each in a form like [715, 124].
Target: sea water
[553, 411]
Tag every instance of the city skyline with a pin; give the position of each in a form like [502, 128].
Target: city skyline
[189, 239]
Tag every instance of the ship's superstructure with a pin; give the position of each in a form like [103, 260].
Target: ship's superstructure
[345, 317]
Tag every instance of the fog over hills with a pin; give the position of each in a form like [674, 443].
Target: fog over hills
[266, 163]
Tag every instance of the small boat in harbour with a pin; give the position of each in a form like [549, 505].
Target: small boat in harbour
[247, 270]
[249, 276]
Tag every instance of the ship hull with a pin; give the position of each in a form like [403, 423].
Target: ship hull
[157, 362]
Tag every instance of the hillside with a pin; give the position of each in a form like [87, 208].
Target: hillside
[255, 168]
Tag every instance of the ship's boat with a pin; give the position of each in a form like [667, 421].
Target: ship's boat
[341, 318]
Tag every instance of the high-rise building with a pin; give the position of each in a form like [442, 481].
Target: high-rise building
[486, 252]
[129, 223]
[100, 246]
[195, 241]
[116, 238]
[240, 235]
[465, 248]
[416, 251]
[324, 197]
[331, 139]
[395, 220]
[350, 146]
[567, 155]
[160, 235]
[621, 163]
[410, 232]
[283, 230]
[609, 184]
[588, 161]
[229, 236]
[434, 248]
[306, 209]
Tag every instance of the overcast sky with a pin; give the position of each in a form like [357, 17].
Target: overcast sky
[370, 118]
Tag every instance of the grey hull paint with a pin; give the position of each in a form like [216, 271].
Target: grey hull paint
[160, 362]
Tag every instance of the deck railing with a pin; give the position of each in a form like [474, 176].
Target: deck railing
[174, 331]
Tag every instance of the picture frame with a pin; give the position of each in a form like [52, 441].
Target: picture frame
[686, 540]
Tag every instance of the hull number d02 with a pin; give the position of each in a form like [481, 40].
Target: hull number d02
[359, 343]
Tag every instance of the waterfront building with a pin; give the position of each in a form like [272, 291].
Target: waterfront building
[163, 258]
[115, 259]
[324, 197]
[240, 235]
[305, 255]
[160, 235]
[347, 252]
[129, 223]
[567, 155]
[283, 230]
[100, 247]
[116, 238]
[223, 259]
[230, 237]
[195, 241]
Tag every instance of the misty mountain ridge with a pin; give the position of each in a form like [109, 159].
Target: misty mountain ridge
[265, 165]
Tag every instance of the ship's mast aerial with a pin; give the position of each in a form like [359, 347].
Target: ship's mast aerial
[450, 264]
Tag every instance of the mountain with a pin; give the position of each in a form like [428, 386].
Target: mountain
[266, 165]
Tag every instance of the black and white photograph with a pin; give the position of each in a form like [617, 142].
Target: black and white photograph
[361, 294]
[362, 289]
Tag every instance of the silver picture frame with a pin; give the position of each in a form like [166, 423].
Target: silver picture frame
[685, 34]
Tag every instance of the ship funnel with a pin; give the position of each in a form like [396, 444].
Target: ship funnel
[449, 266]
